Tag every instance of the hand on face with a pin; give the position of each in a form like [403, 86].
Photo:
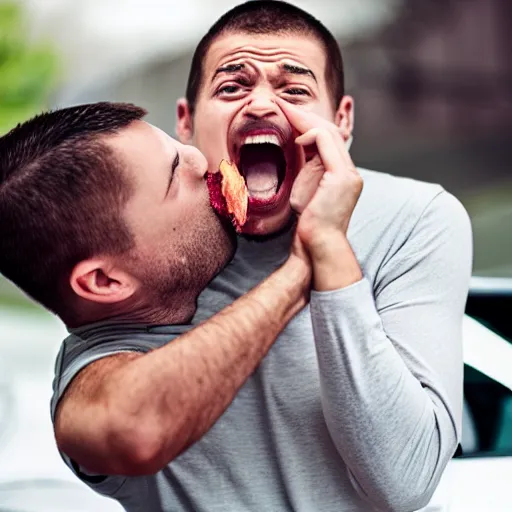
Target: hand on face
[328, 185]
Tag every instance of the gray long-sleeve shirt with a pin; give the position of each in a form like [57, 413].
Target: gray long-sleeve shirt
[357, 406]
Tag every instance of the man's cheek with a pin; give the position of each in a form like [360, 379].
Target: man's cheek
[320, 109]
[205, 134]
[215, 127]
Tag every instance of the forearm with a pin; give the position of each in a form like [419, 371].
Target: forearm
[159, 404]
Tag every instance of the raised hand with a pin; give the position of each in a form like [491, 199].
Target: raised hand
[328, 186]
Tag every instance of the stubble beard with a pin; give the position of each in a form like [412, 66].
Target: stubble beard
[173, 279]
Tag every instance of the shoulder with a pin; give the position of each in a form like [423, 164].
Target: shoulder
[402, 218]
[394, 193]
[403, 202]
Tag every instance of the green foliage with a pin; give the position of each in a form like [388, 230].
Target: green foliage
[27, 69]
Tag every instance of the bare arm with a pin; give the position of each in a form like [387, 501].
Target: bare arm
[132, 414]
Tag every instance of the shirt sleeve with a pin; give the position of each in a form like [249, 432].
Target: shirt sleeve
[75, 354]
[390, 361]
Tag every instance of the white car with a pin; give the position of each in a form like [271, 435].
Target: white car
[479, 480]
[33, 478]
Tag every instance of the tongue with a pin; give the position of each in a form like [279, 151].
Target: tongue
[260, 167]
[261, 179]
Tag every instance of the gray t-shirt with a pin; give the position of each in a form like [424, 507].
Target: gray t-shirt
[358, 404]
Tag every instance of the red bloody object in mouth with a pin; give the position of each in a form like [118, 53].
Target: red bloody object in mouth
[228, 193]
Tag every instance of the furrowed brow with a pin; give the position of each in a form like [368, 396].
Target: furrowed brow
[230, 68]
[298, 70]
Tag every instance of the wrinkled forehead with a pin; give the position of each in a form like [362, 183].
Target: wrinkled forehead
[265, 51]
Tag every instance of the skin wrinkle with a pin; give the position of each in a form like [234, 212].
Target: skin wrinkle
[250, 67]
[263, 54]
[284, 68]
[278, 78]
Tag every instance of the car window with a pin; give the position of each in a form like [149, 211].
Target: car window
[493, 309]
[487, 428]
[487, 420]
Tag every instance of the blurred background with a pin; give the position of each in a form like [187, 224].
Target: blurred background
[432, 82]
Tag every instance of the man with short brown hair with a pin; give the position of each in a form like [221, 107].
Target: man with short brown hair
[107, 222]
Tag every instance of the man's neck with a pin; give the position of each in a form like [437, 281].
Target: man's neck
[161, 315]
[174, 312]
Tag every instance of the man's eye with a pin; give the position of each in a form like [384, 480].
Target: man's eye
[228, 89]
[296, 91]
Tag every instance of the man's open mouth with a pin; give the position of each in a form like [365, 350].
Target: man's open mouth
[262, 163]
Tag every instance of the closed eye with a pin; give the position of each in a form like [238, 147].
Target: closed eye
[228, 89]
[233, 87]
[297, 91]
[174, 165]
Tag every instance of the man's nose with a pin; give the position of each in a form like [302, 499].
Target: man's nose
[261, 104]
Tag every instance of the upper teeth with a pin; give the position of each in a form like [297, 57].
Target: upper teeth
[262, 139]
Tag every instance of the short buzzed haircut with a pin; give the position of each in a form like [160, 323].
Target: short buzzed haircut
[260, 17]
[62, 191]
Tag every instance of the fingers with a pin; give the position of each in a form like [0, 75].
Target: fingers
[308, 138]
[328, 148]
[328, 151]
[302, 120]
[306, 184]
[305, 121]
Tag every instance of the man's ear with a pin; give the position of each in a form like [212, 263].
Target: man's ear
[344, 117]
[184, 122]
[97, 280]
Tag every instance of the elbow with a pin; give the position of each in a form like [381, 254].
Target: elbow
[114, 447]
[391, 489]
[403, 500]
[139, 450]
[397, 494]
[138, 457]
